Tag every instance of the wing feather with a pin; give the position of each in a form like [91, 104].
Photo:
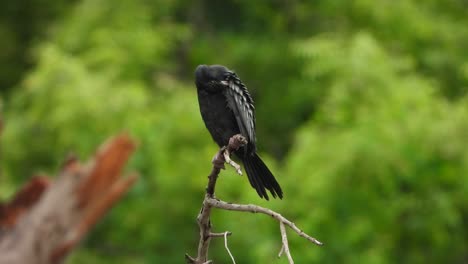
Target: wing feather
[241, 103]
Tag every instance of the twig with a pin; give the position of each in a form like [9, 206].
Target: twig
[220, 234]
[227, 248]
[281, 251]
[258, 209]
[228, 160]
[285, 247]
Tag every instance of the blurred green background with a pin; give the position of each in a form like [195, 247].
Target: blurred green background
[362, 115]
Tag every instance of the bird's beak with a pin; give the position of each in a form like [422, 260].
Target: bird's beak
[224, 83]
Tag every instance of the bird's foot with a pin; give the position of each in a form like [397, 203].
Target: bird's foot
[237, 141]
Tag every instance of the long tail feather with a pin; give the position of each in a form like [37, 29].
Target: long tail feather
[260, 177]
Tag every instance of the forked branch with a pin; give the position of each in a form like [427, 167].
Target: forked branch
[203, 219]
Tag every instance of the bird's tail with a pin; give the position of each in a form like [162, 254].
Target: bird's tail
[260, 177]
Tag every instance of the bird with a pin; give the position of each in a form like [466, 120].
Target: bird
[227, 109]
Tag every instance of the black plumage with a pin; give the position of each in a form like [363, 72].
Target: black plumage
[227, 109]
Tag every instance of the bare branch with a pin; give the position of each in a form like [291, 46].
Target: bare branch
[209, 202]
[235, 142]
[258, 209]
[285, 247]
[203, 217]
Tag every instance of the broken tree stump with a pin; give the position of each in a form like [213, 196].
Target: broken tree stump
[47, 218]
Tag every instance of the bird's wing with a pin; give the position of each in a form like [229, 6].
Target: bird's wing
[241, 103]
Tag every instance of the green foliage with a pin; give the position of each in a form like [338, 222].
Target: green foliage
[361, 106]
[22, 25]
[385, 164]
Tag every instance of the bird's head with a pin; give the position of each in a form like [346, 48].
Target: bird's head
[210, 76]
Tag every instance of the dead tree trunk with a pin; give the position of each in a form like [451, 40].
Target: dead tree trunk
[47, 218]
